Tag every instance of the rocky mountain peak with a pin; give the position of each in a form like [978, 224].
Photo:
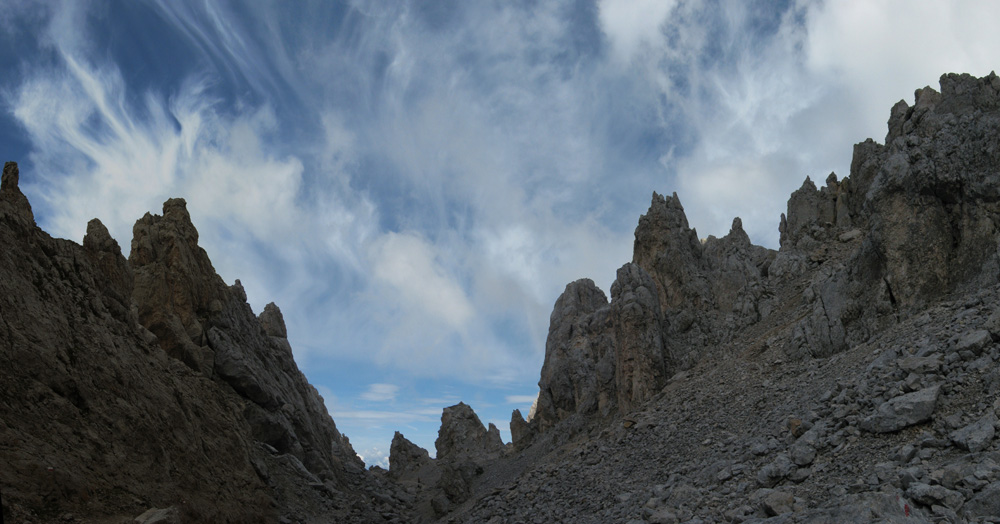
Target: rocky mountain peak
[14, 206]
[273, 321]
[462, 434]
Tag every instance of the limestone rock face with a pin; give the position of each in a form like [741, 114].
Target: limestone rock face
[578, 372]
[814, 216]
[208, 325]
[640, 365]
[205, 411]
[667, 248]
[925, 205]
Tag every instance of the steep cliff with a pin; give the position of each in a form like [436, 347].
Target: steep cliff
[148, 382]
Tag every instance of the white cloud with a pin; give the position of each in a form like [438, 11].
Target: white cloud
[632, 24]
[375, 456]
[417, 279]
[521, 399]
[380, 393]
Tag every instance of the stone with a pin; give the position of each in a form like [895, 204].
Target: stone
[930, 495]
[919, 365]
[521, 432]
[986, 503]
[802, 453]
[977, 436]
[774, 472]
[273, 321]
[663, 516]
[974, 342]
[778, 503]
[14, 206]
[905, 410]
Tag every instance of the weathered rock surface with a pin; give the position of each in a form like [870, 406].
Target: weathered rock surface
[902, 411]
[132, 384]
[640, 361]
[578, 373]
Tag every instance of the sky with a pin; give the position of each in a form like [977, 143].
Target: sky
[415, 182]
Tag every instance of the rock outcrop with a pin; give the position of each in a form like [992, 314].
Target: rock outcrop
[464, 447]
[578, 373]
[678, 295]
[149, 383]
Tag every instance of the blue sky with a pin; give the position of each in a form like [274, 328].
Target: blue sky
[414, 182]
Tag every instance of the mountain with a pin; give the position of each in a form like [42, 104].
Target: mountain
[849, 376]
[148, 383]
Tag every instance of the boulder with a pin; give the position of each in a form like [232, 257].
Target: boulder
[905, 410]
[977, 436]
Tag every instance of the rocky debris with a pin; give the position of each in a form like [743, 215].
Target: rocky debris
[120, 397]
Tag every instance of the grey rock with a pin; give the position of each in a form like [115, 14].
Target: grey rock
[906, 410]
[919, 365]
[978, 435]
[986, 503]
[640, 367]
[930, 495]
[663, 516]
[802, 453]
[522, 434]
[778, 503]
[974, 342]
[774, 472]
[579, 368]
[463, 436]
[14, 206]
[405, 457]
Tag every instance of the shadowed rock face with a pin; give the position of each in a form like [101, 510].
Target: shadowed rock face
[148, 382]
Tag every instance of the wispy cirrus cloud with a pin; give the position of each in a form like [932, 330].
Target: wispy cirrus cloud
[380, 393]
[415, 182]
